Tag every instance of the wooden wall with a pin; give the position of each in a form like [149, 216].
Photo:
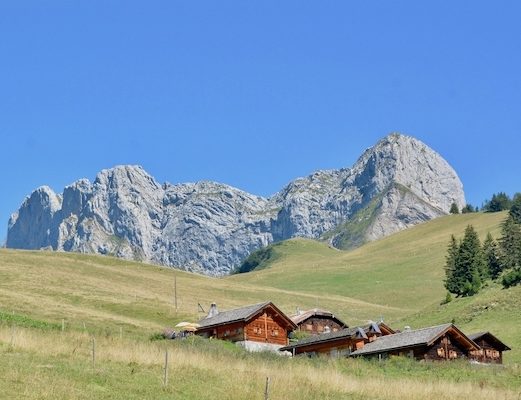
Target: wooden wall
[317, 325]
[267, 328]
[488, 354]
[341, 346]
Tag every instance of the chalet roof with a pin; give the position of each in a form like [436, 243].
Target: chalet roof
[493, 340]
[240, 314]
[299, 318]
[327, 337]
[424, 336]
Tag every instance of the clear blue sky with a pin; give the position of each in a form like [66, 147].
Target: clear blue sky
[254, 93]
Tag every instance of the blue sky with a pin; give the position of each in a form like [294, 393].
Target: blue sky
[254, 93]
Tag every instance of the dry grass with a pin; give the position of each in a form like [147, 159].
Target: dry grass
[204, 372]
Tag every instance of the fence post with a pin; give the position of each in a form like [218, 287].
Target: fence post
[63, 324]
[93, 352]
[267, 389]
[165, 376]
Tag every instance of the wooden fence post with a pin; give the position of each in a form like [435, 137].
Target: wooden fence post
[13, 332]
[267, 389]
[165, 376]
[93, 352]
[63, 324]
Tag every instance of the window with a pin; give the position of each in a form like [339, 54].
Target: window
[274, 332]
[441, 352]
[453, 354]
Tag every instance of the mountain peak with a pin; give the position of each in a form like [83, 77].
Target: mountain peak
[211, 227]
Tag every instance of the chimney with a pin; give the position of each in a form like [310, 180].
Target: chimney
[213, 311]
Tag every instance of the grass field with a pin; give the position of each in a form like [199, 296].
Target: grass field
[53, 304]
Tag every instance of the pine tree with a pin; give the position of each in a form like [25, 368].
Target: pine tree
[510, 244]
[467, 209]
[499, 202]
[454, 209]
[470, 266]
[515, 209]
[490, 251]
[450, 266]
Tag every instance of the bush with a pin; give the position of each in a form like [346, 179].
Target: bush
[511, 278]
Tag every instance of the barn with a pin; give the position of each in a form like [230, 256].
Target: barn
[256, 327]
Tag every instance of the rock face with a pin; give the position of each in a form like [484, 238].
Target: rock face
[210, 227]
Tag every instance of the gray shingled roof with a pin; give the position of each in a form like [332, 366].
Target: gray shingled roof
[238, 314]
[499, 344]
[298, 318]
[326, 337]
[403, 340]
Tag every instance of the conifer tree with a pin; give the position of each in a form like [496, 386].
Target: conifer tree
[450, 266]
[490, 251]
[510, 244]
[454, 209]
[515, 209]
[469, 268]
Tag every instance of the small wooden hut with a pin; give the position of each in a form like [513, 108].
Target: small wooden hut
[491, 348]
[260, 326]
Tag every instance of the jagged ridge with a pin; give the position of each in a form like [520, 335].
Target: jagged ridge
[211, 227]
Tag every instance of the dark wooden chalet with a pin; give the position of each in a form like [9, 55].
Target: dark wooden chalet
[339, 343]
[491, 348]
[256, 327]
[317, 321]
[443, 342]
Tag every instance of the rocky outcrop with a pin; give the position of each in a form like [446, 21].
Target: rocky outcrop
[210, 227]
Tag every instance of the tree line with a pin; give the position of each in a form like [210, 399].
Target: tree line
[499, 202]
[469, 264]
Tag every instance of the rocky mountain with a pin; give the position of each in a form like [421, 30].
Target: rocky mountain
[211, 227]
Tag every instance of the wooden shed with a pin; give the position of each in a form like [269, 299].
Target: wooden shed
[260, 326]
[442, 342]
[317, 321]
[491, 348]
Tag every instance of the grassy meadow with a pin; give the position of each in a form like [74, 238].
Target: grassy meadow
[52, 305]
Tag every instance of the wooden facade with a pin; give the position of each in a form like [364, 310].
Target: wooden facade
[267, 327]
[317, 321]
[491, 348]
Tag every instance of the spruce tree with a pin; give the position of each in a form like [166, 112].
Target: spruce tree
[515, 209]
[490, 251]
[454, 209]
[510, 244]
[450, 266]
[470, 267]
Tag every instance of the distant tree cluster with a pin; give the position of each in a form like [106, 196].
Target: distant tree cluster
[468, 208]
[469, 264]
[500, 202]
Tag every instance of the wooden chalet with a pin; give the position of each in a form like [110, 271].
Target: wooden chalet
[339, 343]
[317, 321]
[443, 342]
[491, 348]
[256, 327]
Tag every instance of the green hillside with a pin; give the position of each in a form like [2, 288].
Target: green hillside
[53, 304]
[403, 272]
